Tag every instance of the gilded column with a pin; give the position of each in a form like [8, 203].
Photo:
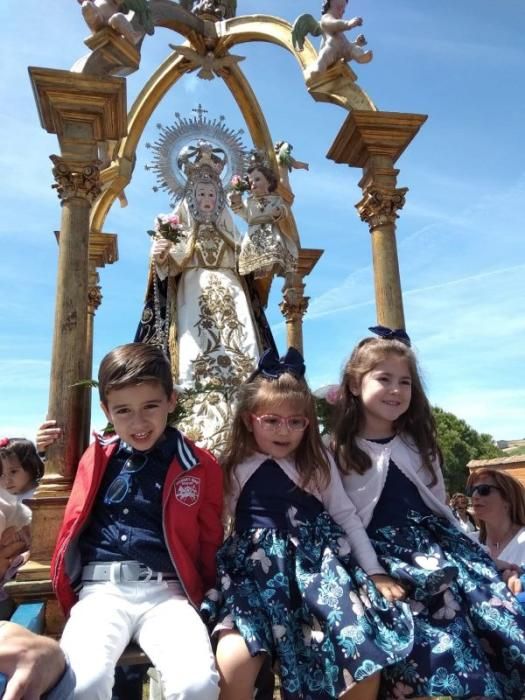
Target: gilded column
[102, 251]
[374, 141]
[84, 112]
[295, 303]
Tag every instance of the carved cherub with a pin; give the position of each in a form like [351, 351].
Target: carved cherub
[334, 45]
[217, 9]
[117, 15]
[286, 162]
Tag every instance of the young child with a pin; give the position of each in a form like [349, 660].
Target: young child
[289, 587]
[137, 546]
[22, 468]
[469, 631]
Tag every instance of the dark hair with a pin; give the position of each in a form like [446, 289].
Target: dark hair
[417, 422]
[27, 455]
[310, 457]
[133, 364]
[326, 6]
[268, 174]
[512, 491]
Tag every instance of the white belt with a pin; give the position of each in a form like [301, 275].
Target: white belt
[123, 572]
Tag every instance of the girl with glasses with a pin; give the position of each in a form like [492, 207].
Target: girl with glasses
[289, 588]
[469, 630]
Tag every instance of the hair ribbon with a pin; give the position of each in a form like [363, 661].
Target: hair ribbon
[272, 366]
[391, 334]
[4, 442]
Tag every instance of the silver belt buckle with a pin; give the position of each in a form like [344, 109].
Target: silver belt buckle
[145, 573]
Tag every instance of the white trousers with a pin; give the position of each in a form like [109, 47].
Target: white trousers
[159, 618]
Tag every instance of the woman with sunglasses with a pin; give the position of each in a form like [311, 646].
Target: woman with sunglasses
[498, 501]
[288, 588]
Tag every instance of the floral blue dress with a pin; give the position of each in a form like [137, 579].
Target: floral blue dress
[469, 630]
[289, 585]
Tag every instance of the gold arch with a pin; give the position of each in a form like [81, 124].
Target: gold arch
[229, 33]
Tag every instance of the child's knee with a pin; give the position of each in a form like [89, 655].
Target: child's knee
[205, 688]
[95, 687]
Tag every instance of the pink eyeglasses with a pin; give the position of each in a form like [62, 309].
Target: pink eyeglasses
[271, 424]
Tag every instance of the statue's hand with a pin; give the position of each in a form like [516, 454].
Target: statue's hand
[356, 22]
[159, 250]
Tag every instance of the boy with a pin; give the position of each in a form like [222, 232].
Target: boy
[139, 538]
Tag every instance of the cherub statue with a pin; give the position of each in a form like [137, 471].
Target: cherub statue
[334, 45]
[216, 9]
[286, 162]
[129, 18]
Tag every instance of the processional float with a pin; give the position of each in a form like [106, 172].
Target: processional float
[86, 109]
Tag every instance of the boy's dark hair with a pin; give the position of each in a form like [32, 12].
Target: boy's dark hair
[133, 364]
[27, 455]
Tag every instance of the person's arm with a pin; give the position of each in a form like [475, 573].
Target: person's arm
[33, 665]
[343, 511]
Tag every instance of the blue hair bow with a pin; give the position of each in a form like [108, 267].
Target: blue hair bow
[271, 366]
[391, 334]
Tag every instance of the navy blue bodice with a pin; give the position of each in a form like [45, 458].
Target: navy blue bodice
[267, 496]
[399, 495]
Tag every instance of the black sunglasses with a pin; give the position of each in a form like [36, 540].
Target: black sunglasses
[482, 489]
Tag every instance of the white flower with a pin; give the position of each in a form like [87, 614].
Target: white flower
[431, 563]
[263, 560]
[226, 582]
[279, 631]
[449, 609]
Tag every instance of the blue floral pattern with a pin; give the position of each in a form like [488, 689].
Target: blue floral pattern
[469, 630]
[295, 592]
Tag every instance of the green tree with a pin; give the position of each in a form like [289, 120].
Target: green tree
[460, 443]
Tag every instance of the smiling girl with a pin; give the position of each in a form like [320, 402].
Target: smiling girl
[469, 630]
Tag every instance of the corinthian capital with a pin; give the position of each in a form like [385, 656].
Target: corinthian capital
[83, 182]
[379, 204]
[294, 305]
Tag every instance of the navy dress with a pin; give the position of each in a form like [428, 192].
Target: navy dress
[289, 585]
[469, 630]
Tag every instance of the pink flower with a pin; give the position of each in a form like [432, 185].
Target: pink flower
[4, 442]
[333, 394]
[173, 220]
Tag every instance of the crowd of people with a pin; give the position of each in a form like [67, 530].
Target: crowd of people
[343, 569]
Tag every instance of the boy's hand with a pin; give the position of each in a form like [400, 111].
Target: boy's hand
[46, 435]
[389, 589]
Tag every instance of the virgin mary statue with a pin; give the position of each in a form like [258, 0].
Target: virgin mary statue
[201, 310]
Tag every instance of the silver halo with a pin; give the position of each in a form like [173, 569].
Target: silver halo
[184, 133]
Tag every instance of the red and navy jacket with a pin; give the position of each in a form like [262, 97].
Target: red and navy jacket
[192, 500]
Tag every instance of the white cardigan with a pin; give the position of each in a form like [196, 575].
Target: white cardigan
[333, 498]
[365, 489]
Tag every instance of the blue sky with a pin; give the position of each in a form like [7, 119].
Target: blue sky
[461, 240]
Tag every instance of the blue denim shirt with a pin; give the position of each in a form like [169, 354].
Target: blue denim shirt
[132, 529]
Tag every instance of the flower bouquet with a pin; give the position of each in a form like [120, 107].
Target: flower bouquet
[167, 226]
[240, 183]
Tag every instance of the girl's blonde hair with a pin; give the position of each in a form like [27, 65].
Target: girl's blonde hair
[512, 491]
[417, 421]
[310, 457]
